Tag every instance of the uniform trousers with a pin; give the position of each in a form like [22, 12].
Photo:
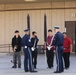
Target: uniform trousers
[59, 58]
[28, 65]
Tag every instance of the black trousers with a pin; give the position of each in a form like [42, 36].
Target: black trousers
[50, 57]
[66, 57]
[34, 57]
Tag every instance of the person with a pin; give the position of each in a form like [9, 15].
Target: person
[26, 43]
[58, 43]
[34, 41]
[67, 50]
[49, 52]
[16, 46]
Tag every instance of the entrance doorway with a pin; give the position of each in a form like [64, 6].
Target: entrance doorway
[71, 32]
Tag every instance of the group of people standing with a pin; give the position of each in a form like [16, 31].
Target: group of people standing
[29, 48]
[59, 43]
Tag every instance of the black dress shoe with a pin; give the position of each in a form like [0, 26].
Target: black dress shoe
[33, 71]
[26, 71]
[49, 67]
[57, 72]
[62, 71]
[19, 66]
[66, 67]
[14, 66]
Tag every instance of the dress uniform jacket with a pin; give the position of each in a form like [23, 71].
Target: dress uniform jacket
[58, 43]
[26, 42]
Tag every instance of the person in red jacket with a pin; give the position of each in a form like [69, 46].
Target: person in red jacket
[67, 50]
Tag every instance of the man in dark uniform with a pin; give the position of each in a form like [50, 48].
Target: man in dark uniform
[58, 43]
[16, 46]
[49, 49]
[26, 42]
[34, 41]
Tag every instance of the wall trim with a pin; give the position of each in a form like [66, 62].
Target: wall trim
[38, 9]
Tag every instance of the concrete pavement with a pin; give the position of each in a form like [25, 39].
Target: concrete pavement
[5, 67]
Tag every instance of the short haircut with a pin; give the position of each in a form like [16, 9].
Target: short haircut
[49, 30]
[65, 33]
[33, 32]
[16, 31]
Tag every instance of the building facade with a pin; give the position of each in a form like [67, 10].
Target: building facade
[14, 17]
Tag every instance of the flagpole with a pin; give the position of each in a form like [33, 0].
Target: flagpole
[45, 35]
[28, 21]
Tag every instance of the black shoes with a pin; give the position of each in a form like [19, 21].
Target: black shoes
[26, 71]
[66, 67]
[33, 71]
[49, 67]
[58, 71]
[19, 66]
[14, 66]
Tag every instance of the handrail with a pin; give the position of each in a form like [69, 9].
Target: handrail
[6, 46]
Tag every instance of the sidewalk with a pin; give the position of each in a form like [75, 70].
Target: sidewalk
[5, 67]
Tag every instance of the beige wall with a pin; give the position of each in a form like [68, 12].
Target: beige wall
[44, 5]
[13, 20]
